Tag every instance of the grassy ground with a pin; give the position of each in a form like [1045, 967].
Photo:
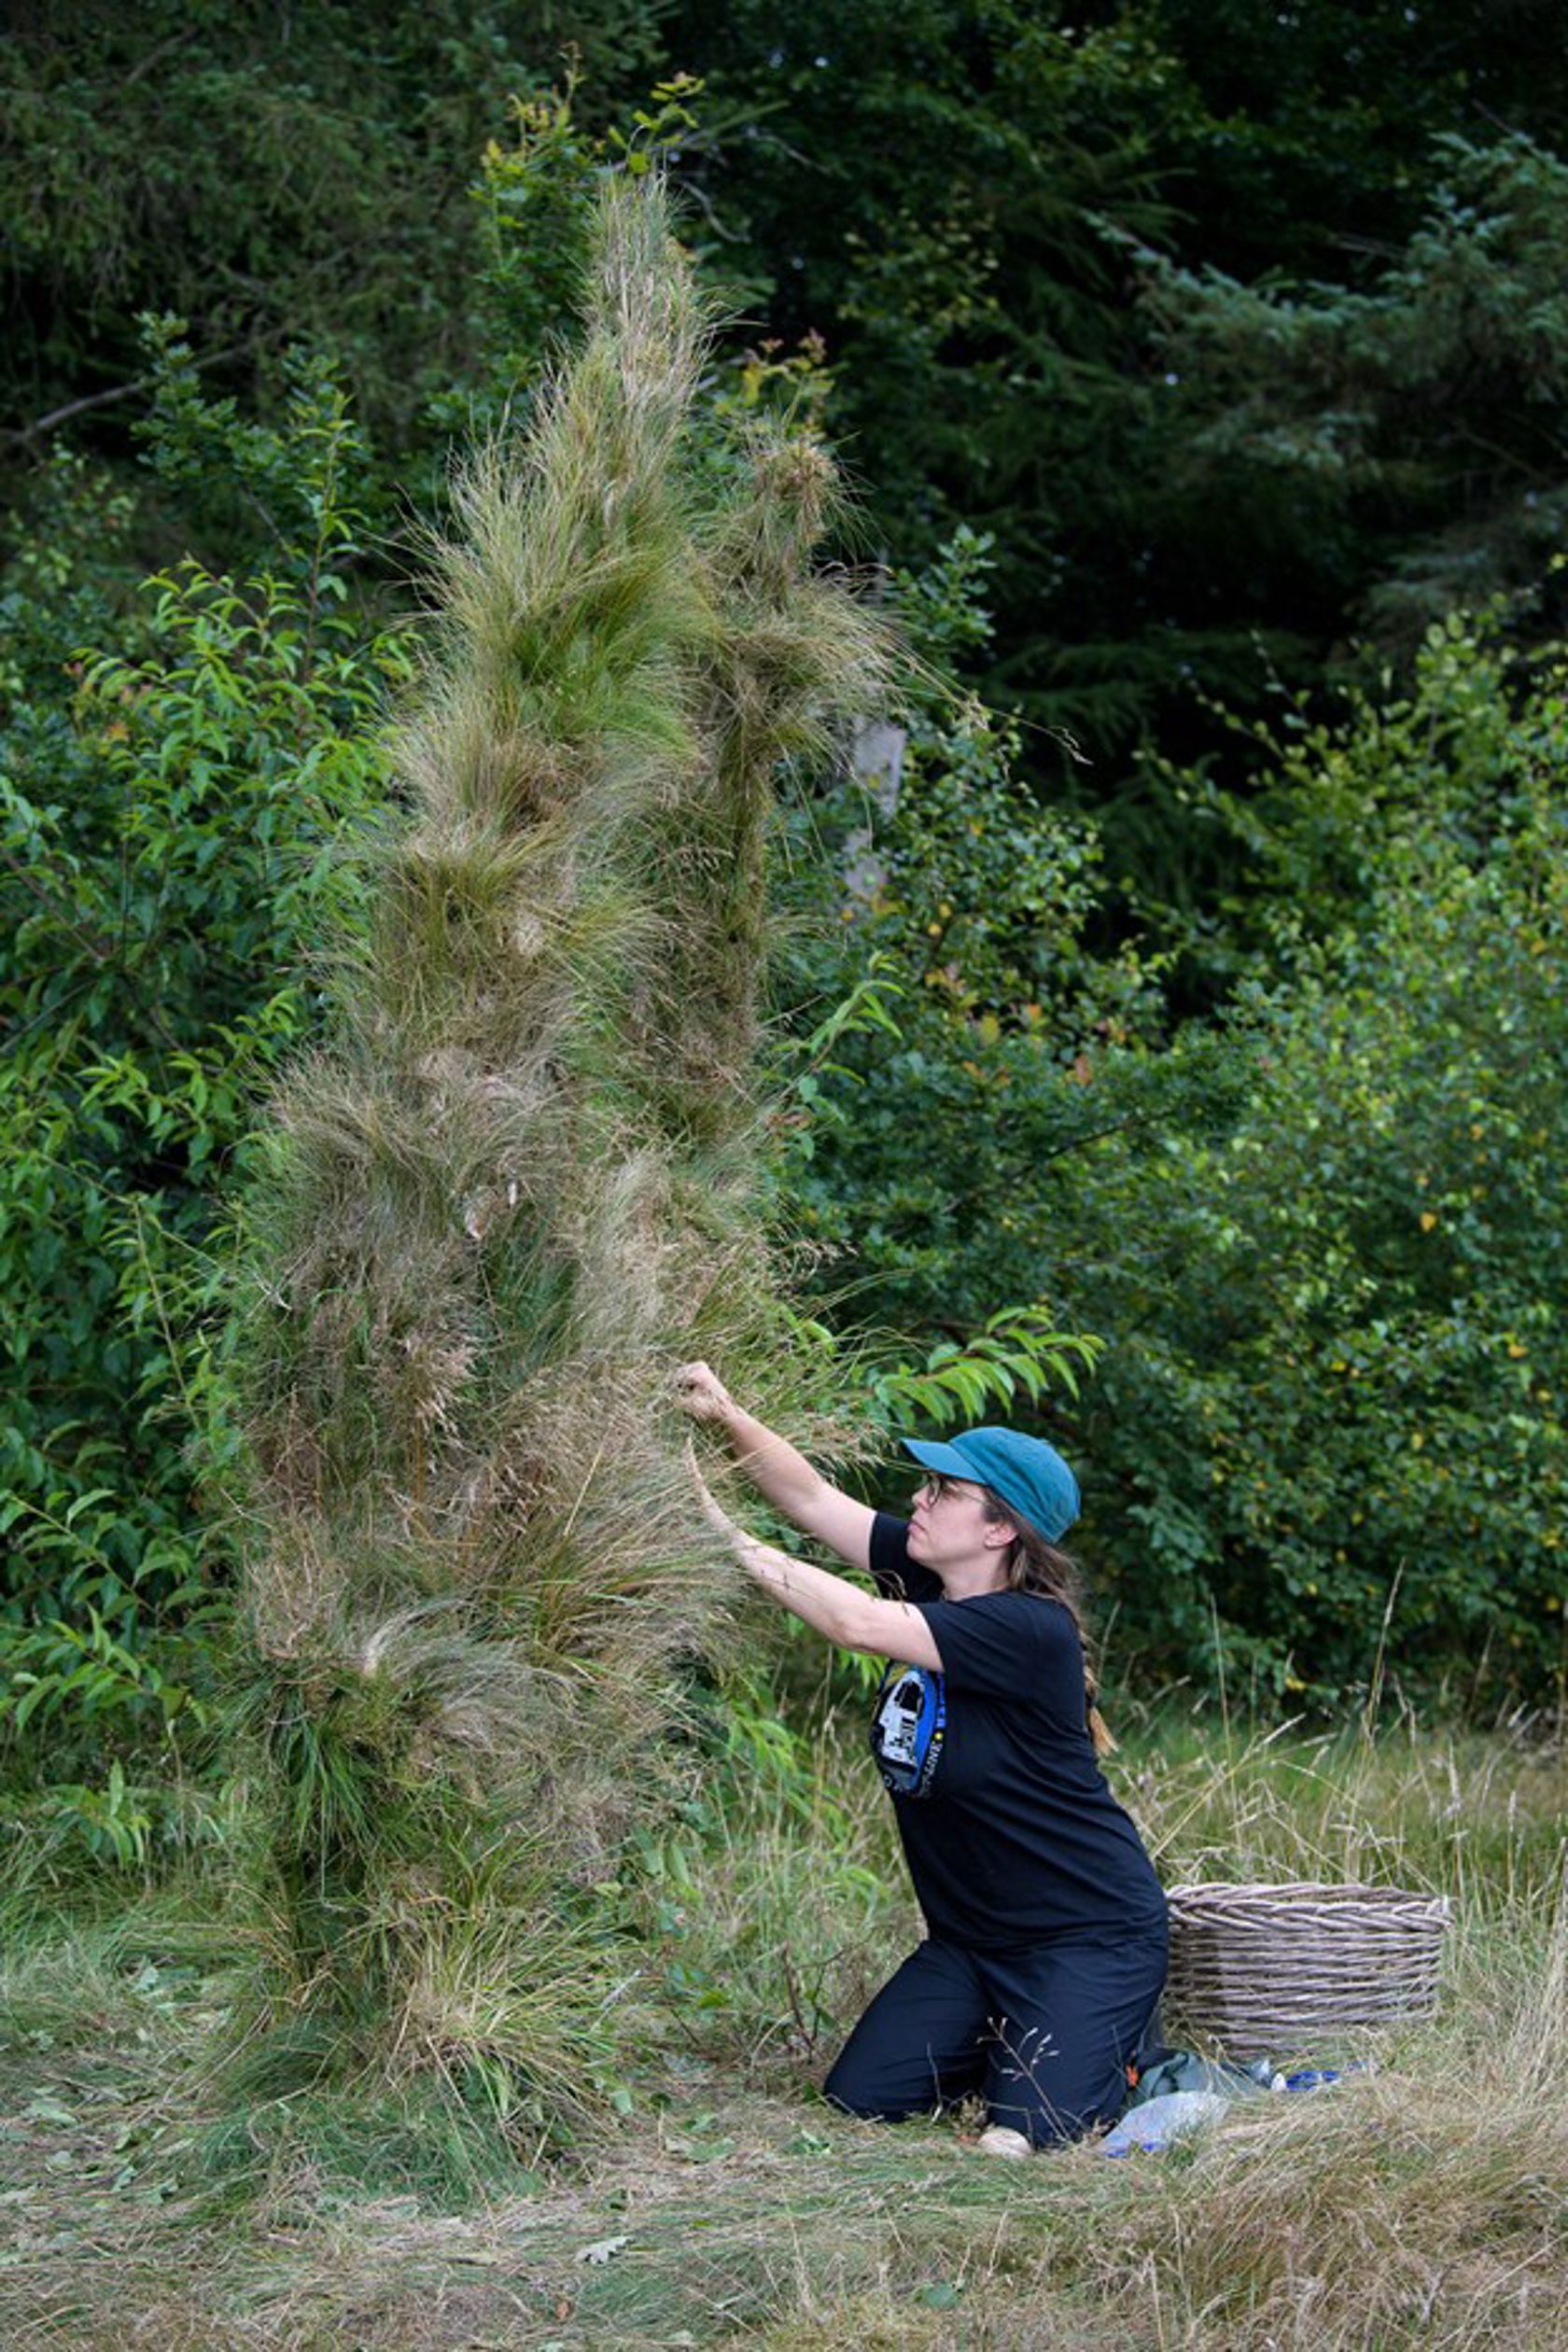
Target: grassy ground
[1424, 2202]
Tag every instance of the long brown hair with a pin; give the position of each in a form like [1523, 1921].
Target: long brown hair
[1033, 1566]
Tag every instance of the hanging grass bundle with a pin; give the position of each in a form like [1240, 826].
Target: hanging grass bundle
[517, 1186]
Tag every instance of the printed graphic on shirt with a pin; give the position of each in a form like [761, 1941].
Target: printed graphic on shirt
[908, 1727]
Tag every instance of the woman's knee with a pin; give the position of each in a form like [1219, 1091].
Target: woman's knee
[918, 2045]
[855, 2090]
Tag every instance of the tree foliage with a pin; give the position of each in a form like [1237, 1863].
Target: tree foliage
[1400, 440]
[167, 828]
[1323, 1245]
[988, 174]
[276, 178]
[1177, 351]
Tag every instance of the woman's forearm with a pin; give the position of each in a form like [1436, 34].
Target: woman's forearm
[830, 1605]
[779, 1472]
[834, 1607]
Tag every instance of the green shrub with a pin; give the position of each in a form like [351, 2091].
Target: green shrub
[1331, 1407]
[165, 871]
[1321, 1243]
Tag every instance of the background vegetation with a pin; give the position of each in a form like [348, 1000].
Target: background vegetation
[1163, 1034]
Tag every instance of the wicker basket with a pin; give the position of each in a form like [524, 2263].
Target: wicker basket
[1276, 1971]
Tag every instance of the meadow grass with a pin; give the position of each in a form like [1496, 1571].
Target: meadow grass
[1421, 2202]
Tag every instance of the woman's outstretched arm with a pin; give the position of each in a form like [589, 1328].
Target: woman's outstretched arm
[777, 1470]
[831, 1604]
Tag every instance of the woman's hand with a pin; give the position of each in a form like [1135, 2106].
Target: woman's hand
[760, 1559]
[781, 1476]
[700, 1392]
[713, 1511]
[768, 1566]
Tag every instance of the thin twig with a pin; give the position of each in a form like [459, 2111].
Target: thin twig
[154, 56]
[25, 433]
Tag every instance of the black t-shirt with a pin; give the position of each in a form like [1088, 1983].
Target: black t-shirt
[1009, 1830]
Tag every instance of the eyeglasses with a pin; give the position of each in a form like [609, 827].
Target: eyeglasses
[936, 1487]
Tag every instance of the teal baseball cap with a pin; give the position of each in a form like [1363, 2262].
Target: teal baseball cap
[1030, 1475]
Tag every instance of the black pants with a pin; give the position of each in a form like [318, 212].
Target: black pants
[1045, 2033]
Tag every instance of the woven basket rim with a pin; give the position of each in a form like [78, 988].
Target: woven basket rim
[1238, 1891]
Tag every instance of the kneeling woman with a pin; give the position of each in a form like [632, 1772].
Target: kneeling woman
[1045, 1949]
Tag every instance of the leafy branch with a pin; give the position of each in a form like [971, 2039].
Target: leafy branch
[1019, 1350]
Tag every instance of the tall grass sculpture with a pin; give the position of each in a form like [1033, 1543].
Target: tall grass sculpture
[513, 1190]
